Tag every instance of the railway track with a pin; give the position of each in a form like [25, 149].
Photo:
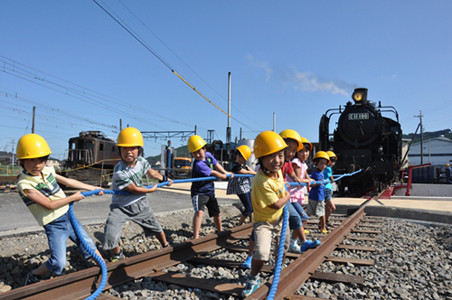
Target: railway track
[159, 265]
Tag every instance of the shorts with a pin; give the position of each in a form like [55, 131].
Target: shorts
[328, 195]
[139, 212]
[246, 201]
[300, 210]
[316, 208]
[58, 231]
[200, 201]
[263, 236]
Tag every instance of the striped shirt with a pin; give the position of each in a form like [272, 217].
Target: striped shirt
[123, 176]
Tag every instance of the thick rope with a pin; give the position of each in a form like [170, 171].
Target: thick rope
[92, 252]
[103, 266]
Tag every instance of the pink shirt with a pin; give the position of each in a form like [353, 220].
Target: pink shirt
[297, 192]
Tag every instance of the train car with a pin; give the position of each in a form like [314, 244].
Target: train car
[364, 139]
[91, 157]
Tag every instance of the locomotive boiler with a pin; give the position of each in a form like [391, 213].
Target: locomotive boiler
[364, 139]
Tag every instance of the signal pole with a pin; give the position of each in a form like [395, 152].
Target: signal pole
[422, 138]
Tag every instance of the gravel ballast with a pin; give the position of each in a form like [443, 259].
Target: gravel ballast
[412, 261]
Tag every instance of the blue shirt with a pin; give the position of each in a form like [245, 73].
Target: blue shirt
[203, 168]
[317, 193]
[327, 175]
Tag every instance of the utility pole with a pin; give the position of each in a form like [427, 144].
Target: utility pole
[274, 122]
[422, 137]
[33, 121]
[228, 129]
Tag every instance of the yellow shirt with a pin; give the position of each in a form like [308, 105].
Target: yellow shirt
[265, 192]
[48, 186]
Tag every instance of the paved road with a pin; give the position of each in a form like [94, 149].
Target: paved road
[16, 218]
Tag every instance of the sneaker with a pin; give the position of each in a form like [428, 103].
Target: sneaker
[247, 263]
[119, 256]
[311, 244]
[306, 231]
[31, 278]
[252, 284]
[323, 231]
[295, 248]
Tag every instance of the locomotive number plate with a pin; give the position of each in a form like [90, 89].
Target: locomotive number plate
[358, 116]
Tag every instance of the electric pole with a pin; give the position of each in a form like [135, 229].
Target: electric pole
[422, 137]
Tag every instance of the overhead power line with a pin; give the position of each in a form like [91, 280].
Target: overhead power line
[135, 36]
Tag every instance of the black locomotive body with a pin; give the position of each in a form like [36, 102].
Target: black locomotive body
[364, 139]
[91, 157]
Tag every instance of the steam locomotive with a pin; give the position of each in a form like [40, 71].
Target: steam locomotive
[364, 139]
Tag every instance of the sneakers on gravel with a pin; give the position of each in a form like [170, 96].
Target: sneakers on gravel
[252, 284]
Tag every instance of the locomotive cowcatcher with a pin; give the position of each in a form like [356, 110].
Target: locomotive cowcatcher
[366, 140]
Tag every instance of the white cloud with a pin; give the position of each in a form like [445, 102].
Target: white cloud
[300, 81]
[306, 81]
[263, 65]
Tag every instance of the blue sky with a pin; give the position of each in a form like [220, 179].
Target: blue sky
[296, 59]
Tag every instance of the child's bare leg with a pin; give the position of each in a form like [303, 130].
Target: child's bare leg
[299, 234]
[162, 238]
[197, 220]
[256, 266]
[322, 223]
[98, 254]
[242, 219]
[330, 208]
[217, 221]
[116, 250]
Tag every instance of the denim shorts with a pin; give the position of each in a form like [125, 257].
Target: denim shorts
[58, 231]
[295, 221]
[328, 194]
[303, 215]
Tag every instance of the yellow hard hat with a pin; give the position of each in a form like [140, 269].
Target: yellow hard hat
[292, 134]
[245, 151]
[268, 142]
[331, 154]
[321, 154]
[305, 141]
[130, 137]
[195, 142]
[447, 165]
[32, 146]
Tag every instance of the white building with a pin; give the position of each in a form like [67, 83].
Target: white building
[437, 151]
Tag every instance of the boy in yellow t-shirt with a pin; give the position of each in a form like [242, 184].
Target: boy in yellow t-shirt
[268, 196]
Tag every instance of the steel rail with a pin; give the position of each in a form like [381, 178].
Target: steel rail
[80, 284]
[306, 264]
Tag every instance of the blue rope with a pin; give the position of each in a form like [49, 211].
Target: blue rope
[279, 261]
[92, 252]
[103, 266]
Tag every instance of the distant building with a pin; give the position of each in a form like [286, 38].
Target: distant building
[437, 151]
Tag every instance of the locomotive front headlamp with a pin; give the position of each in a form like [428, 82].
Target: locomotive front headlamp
[357, 96]
[360, 95]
